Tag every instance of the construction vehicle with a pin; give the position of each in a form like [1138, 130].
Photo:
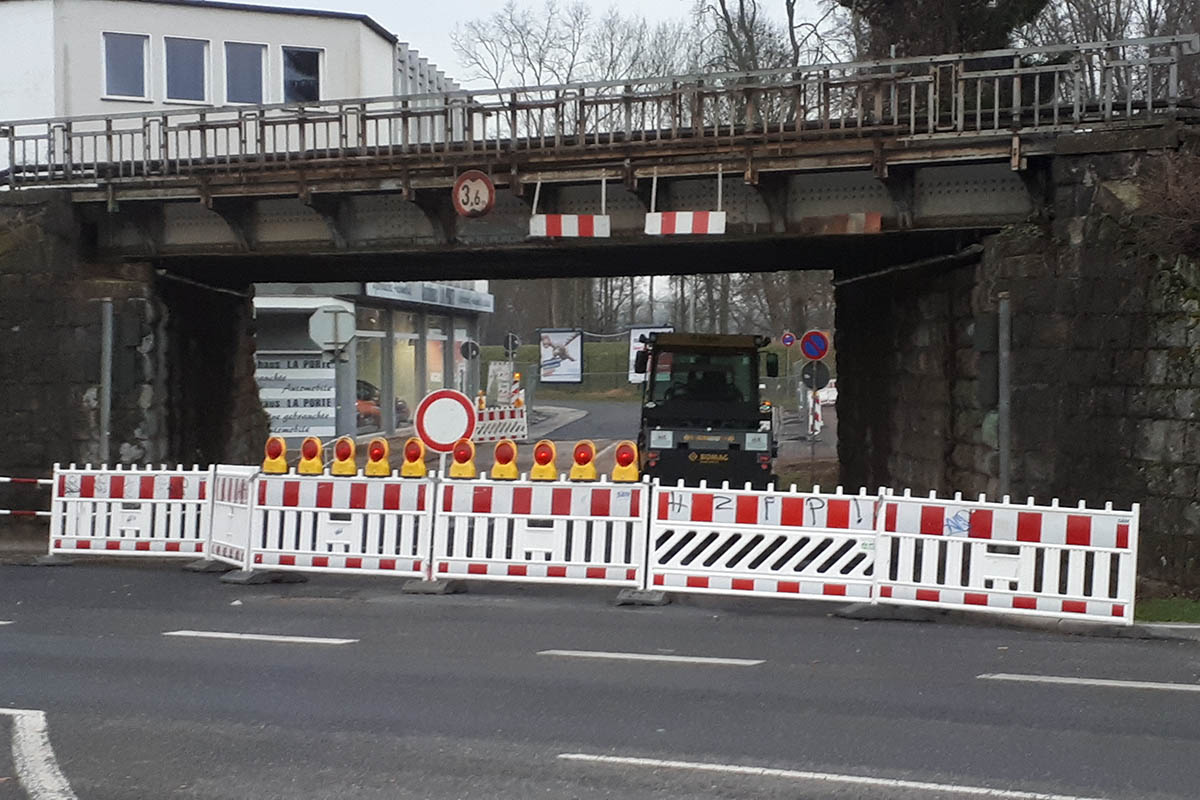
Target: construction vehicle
[703, 417]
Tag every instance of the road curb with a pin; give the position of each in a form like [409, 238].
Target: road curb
[1139, 630]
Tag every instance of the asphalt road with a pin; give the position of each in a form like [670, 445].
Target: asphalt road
[448, 697]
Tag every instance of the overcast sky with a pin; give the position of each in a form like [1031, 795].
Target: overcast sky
[426, 24]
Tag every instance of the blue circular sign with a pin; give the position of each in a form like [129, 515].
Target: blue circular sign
[815, 345]
[788, 338]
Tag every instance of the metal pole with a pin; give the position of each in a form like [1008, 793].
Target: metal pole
[1004, 379]
[106, 367]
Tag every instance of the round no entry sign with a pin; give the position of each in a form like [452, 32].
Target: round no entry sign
[815, 345]
[443, 417]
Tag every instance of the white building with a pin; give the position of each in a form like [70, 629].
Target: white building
[99, 57]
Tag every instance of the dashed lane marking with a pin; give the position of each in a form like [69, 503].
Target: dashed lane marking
[1110, 684]
[6, 622]
[33, 757]
[826, 777]
[729, 662]
[259, 637]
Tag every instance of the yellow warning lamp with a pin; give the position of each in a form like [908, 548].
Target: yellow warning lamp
[343, 457]
[275, 462]
[626, 470]
[462, 464]
[481, 400]
[544, 469]
[504, 467]
[583, 467]
[414, 459]
[378, 452]
[311, 462]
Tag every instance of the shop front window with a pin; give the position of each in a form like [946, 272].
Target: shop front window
[404, 365]
[369, 375]
[462, 376]
[435, 352]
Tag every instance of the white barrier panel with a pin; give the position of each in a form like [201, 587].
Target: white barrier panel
[232, 514]
[129, 511]
[552, 532]
[494, 424]
[1003, 558]
[767, 543]
[343, 524]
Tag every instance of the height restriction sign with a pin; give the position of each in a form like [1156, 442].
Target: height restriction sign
[815, 345]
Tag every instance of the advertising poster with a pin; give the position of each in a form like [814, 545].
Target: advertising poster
[634, 346]
[298, 391]
[561, 353]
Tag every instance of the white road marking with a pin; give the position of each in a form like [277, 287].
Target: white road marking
[827, 777]
[33, 757]
[6, 622]
[730, 662]
[259, 637]
[1162, 687]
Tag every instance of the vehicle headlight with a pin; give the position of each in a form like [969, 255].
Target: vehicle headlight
[663, 440]
[758, 441]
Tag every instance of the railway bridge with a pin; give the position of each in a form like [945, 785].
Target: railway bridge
[942, 191]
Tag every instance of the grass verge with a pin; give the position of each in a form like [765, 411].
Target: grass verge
[1168, 609]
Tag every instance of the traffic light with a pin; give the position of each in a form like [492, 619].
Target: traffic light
[377, 459]
[505, 457]
[275, 462]
[626, 469]
[343, 457]
[414, 459]
[463, 463]
[311, 462]
[511, 343]
[583, 467]
[544, 469]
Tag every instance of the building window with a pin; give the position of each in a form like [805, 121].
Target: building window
[125, 64]
[301, 75]
[435, 352]
[404, 370]
[368, 388]
[244, 72]
[187, 69]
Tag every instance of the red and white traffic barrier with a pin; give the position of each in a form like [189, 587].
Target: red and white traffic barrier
[347, 524]
[570, 226]
[762, 542]
[1007, 558]
[21, 512]
[231, 515]
[147, 511]
[494, 424]
[668, 223]
[541, 531]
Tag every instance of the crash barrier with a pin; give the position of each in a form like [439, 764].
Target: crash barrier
[747, 542]
[24, 512]
[1008, 558]
[556, 532]
[495, 424]
[945, 553]
[134, 511]
[351, 525]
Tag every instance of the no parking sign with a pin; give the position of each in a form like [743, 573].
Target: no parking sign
[815, 345]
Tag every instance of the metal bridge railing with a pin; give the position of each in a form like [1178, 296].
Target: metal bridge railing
[984, 94]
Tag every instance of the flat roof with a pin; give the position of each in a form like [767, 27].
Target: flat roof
[305, 12]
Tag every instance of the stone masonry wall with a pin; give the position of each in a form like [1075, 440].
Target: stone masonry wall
[1106, 367]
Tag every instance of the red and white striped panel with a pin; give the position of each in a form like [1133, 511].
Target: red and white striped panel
[337, 494]
[131, 485]
[571, 226]
[516, 571]
[332, 562]
[858, 222]
[1004, 602]
[494, 424]
[227, 552]
[725, 584]
[543, 500]
[667, 223]
[1006, 523]
[739, 507]
[129, 545]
